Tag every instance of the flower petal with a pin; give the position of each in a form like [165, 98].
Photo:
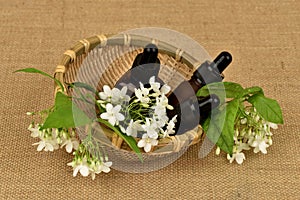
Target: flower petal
[49, 147]
[105, 169]
[69, 147]
[41, 146]
[108, 164]
[240, 157]
[120, 117]
[109, 107]
[105, 116]
[273, 126]
[106, 90]
[84, 170]
[112, 120]
[147, 147]
[165, 89]
[75, 171]
[141, 143]
[93, 175]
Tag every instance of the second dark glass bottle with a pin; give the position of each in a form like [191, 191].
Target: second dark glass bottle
[207, 72]
[192, 110]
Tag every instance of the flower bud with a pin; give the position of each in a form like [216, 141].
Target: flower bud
[218, 150]
[30, 126]
[244, 121]
[249, 131]
[228, 157]
[270, 141]
[256, 118]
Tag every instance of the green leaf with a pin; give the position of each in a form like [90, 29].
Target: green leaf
[65, 114]
[36, 71]
[219, 127]
[253, 90]
[228, 89]
[269, 109]
[128, 139]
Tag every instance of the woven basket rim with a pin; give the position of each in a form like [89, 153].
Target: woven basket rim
[83, 47]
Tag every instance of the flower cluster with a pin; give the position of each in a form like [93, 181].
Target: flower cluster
[83, 162]
[52, 139]
[251, 130]
[87, 163]
[143, 115]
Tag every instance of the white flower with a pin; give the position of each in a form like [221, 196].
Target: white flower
[100, 167]
[147, 143]
[47, 145]
[267, 128]
[170, 127]
[160, 120]
[242, 146]
[239, 157]
[163, 101]
[154, 86]
[113, 114]
[106, 94]
[95, 167]
[159, 110]
[272, 125]
[133, 128]
[142, 94]
[119, 96]
[71, 144]
[105, 167]
[115, 96]
[35, 132]
[82, 167]
[160, 117]
[150, 128]
[260, 144]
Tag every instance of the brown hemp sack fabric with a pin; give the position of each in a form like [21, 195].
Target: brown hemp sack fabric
[263, 37]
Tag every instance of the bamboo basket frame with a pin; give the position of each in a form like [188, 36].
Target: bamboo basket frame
[83, 47]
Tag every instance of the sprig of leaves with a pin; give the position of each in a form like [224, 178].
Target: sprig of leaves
[219, 127]
[66, 114]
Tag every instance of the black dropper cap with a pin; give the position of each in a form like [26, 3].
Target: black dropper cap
[148, 56]
[222, 61]
[210, 72]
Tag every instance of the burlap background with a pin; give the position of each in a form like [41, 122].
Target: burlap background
[263, 37]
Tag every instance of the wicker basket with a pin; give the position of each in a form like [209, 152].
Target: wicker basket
[109, 70]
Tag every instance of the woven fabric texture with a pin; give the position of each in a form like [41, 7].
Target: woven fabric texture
[263, 37]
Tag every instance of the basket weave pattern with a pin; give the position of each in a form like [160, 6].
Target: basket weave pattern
[114, 66]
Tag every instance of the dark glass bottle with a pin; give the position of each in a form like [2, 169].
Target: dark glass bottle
[145, 65]
[208, 72]
[184, 100]
[192, 112]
